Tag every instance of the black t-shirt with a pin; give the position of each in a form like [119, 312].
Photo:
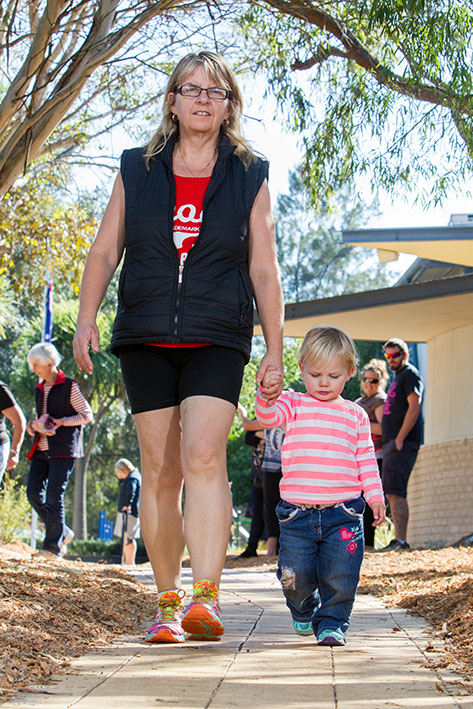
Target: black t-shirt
[6, 401]
[406, 381]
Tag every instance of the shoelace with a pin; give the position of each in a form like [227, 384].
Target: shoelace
[205, 591]
[168, 612]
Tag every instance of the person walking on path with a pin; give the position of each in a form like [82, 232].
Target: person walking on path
[191, 214]
[9, 452]
[128, 502]
[61, 411]
[374, 378]
[327, 462]
[402, 436]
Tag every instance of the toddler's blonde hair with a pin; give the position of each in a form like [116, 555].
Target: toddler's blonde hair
[323, 342]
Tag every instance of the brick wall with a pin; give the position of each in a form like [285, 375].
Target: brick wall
[440, 494]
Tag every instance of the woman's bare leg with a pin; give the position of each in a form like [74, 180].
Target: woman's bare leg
[206, 423]
[159, 436]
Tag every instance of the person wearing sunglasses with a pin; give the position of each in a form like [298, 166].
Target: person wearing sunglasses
[190, 212]
[402, 436]
[374, 378]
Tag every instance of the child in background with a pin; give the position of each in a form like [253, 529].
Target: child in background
[327, 462]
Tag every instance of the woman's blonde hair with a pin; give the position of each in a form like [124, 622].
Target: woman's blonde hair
[43, 353]
[378, 366]
[323, 342]
[124, 465]
[219, 71]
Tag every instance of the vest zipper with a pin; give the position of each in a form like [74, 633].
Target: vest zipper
[177, 307]
[178, 301]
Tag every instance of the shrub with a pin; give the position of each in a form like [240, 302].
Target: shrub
[15, 509]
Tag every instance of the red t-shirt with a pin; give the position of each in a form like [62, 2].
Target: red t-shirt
[190, 192]
[187, 220]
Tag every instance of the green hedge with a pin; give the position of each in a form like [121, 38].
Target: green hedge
[96, 547]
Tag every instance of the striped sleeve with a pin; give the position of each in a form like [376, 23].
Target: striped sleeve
[81, 406]
[278, 414]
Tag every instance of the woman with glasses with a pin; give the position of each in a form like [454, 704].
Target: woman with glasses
[191, 214]
[374, 378]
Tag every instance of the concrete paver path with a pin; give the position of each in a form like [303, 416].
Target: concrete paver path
[260, 663]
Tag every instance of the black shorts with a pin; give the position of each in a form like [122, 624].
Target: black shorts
[159, 377]
[397, 467]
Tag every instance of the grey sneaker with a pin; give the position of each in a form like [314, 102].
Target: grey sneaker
[67, 540]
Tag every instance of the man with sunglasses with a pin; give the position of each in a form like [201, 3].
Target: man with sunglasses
[402, 435]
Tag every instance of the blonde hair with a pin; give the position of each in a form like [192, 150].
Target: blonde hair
[322, 343]
[43, 353]
[124, 465]
[219, 71]
[378, 366]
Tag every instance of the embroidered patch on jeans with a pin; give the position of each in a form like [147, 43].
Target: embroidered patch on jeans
[345, 534]
[288, 578]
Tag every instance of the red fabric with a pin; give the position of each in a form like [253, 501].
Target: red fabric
[190, 192]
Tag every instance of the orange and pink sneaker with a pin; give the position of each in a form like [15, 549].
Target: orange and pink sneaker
[167, 628]
[202, 619]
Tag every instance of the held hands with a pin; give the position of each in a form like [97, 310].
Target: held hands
[379, 512]
[271, 362]
[87, 335]
[271, 385]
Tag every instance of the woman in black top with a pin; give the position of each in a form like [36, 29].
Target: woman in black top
[184, 322]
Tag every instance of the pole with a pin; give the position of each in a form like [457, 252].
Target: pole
[124, 534]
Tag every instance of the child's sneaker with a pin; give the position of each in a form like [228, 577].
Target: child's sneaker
[202, 619]
[167, 628]
[302, 627]
[330, 637]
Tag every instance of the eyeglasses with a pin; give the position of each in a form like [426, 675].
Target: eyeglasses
[371, 380]
[393, 355]
[214, 92]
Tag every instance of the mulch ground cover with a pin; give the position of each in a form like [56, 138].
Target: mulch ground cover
[51, 612]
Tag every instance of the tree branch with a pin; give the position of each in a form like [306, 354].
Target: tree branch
[358, 53]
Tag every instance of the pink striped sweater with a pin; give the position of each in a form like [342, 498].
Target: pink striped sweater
[327, 455]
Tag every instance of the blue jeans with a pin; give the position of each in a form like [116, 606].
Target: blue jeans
[46, 487]
[319, 562]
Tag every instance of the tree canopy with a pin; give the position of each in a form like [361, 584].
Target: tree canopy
[314, 261]
[72, 70]
[386, 91]
[386, 87]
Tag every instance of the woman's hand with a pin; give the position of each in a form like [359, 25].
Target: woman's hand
[271, 386]
[87, 335]
[58, 422]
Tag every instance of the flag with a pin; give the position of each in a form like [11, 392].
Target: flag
[48, 309]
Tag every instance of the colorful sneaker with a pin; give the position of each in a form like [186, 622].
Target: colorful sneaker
[202, 619]
[330, 637]
[167, 628]
[302, 627]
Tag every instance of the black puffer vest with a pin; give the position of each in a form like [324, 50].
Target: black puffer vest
[211, 300]
[67, 441]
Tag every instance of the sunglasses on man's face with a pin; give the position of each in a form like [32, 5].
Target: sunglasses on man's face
[393, 355]
[371, 380]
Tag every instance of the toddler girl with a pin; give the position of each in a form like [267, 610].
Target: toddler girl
[327, 463]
